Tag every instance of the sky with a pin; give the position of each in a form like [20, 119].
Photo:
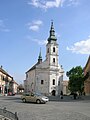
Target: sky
[24, 29]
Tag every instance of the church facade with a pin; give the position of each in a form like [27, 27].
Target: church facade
[46, 76]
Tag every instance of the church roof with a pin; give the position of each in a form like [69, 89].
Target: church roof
[33, 67]
[39, 61]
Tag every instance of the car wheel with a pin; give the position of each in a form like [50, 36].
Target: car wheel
[24, 100]
[38, 101]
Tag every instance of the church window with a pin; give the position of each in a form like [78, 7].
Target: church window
[53, 49]
[53, 81]
[48, 50]
[42, 81]
[53, 60]
[58, 82]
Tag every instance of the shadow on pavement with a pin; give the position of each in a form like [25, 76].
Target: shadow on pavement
[68, 98]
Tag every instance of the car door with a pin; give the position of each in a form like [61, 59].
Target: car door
[32, 98]
[27, 97]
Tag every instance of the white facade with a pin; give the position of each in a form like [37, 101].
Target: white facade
[46, 77]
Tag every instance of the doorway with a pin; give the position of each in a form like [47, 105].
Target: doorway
[53, 93]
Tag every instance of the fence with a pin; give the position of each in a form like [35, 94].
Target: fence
[7, 115]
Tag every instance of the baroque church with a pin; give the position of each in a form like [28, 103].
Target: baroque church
[46, 76]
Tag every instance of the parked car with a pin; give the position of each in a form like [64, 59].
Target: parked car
[11, 94]
[34, 97]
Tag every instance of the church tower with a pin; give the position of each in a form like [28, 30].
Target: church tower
[55, 70]
[52, 48]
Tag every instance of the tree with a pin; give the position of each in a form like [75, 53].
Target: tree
[76, 79]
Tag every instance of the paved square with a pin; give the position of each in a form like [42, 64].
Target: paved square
[55, 109]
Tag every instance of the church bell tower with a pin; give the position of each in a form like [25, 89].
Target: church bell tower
[52, 48]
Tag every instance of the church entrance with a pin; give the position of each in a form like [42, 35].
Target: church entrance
[53, 92]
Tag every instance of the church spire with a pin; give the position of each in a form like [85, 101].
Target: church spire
[40, 57]
[52, 33]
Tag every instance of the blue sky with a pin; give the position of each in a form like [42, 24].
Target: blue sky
[24, 28]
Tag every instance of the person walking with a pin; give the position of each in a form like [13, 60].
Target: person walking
[61, 95]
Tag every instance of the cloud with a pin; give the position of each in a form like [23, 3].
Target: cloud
[3, 27]
[73, 2]
[34, 25]
[82, 47]
[45, 4]
[39, 42]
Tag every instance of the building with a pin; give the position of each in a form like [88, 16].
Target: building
[20, 89]
[14, 87]
[26, 89]
[65, 87]
[46, 76]
[7, 84]
[87, 77]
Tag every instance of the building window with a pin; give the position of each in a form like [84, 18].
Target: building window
[42, 81]
[53, 60]
[53, 49]
[26, 75]
[53, 81]
[2, 77]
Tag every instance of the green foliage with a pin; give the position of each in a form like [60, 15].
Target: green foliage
[76, 79]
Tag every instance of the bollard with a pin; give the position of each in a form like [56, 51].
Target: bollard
[16, 116]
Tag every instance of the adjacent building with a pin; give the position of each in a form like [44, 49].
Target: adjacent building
[87, 77]
[65, 87]
[7, 84]
[15, 87]
[46, 76]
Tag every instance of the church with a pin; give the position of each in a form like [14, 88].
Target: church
[46, 76]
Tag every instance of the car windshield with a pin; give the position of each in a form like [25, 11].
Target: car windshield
[38, 94]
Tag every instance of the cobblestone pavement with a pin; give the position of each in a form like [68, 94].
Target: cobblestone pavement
[55, 109]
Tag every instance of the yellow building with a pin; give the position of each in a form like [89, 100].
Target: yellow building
[65, 87]
[87, 77]
[5, 81]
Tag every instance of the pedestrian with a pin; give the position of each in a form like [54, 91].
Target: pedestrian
[61, 95]
[74, 96]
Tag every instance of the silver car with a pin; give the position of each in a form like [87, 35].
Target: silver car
[34, 97]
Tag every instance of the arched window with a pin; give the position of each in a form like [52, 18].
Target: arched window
[53, 81]
[42, 81]
[53, 60]
[53, 49]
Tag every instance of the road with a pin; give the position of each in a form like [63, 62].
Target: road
[55, 109]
